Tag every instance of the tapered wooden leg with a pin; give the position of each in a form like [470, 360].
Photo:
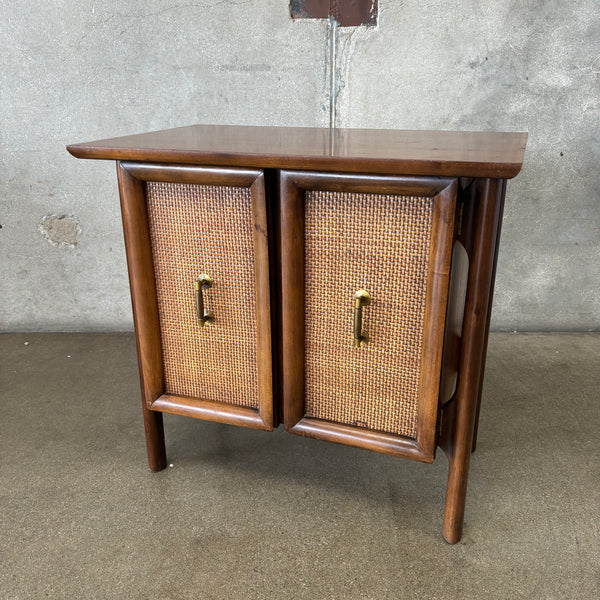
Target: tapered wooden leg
[456, 493]
[459, 455]
[145, 309]
[155, 439]
[459, 417]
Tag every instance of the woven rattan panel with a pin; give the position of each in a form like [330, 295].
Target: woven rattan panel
[381, 244]
[205, 229]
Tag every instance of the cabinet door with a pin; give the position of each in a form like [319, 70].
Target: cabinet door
[197, 250]
[364, 373]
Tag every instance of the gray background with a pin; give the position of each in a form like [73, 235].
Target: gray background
[77, 71]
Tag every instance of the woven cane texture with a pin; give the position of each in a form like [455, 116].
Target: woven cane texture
[379, 243]
[199, 229]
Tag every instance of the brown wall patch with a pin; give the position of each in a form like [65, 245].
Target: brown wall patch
[346, 12]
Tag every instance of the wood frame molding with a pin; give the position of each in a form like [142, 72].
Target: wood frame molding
[293, 185]
[132, 178]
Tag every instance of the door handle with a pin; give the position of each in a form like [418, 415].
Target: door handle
[204, 315]
[361, 298]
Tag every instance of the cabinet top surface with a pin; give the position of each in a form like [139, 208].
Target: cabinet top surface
[448, 153]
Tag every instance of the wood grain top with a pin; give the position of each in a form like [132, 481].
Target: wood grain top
[383, 151]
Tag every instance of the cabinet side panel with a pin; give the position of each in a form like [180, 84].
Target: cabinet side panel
[379, 243]
[197, 229]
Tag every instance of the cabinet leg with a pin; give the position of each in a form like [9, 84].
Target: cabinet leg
[155, 439]
[456, 493]
[456, 440]
[459, 419]
[478, 410]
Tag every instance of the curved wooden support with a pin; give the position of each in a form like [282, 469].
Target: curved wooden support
[459, 417]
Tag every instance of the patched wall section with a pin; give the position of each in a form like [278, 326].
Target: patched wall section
[62, 231]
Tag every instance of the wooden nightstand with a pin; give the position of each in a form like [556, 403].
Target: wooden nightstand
[336, 281]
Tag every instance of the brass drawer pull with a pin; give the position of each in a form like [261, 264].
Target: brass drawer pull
[361, 298]
[204, 315]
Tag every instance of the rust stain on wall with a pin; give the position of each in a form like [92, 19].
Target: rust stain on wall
[346, 12]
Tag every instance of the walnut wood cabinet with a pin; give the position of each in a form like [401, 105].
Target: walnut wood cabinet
[336, 281]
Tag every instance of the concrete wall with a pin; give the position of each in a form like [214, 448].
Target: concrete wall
[77, 71]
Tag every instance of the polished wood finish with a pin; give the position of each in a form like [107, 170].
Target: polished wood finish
[433, 153]
[208, 410]
[291, 237]
[366, 439]
[132, 178]
[192, 174]
[294, 185]
[475, 165]
[458, 421]
[263, 303]
[145, 311]
[489, 314]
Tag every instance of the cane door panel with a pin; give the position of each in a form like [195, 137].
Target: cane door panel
[207, 235]
[365, 264]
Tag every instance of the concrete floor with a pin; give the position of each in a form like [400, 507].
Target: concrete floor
[247, 514]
